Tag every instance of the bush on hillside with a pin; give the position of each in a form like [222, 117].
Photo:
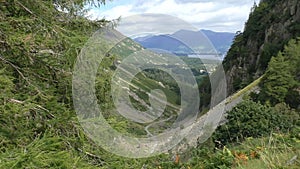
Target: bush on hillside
[251, 119]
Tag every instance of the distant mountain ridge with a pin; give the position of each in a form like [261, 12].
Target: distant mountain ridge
[221, 41]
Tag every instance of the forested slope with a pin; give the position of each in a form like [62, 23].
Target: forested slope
[270, 26]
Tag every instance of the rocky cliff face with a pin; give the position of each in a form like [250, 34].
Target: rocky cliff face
[270, 26]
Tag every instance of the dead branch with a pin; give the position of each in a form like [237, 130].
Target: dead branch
[20, 73]
[24, 7]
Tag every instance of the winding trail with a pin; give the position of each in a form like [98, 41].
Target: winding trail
[152, 124]
[194, 134]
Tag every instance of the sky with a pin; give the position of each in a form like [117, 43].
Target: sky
[215, 15]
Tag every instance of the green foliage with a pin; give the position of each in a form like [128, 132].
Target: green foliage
[269, 50]
[235, 51]
[208, 159]
[278, 150]
[45, 152]
[6, 86]
[252, 25]
[252, 49]
[281, 80]
[205, 93]
[251, 119]
[38, 126]
[278, 80]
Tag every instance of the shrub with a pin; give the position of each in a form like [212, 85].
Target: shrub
[251, 119]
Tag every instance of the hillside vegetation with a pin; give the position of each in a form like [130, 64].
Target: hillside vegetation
[270, 26]
[39, 128]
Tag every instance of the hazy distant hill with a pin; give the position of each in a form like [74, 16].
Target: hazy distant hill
[220, 40]
[163, 42]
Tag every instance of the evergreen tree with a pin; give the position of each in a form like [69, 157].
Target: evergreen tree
[278, 80]
[281, 78]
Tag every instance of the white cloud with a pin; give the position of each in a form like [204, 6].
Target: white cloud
[152, 24]
[114, 13]
[229, 15]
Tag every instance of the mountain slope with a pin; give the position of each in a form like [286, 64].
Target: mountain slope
[164, 42]
[270, 26]
[220, 40]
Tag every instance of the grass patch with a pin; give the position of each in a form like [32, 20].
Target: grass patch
[277, 151]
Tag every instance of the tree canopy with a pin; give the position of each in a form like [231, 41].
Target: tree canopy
[281, 80]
